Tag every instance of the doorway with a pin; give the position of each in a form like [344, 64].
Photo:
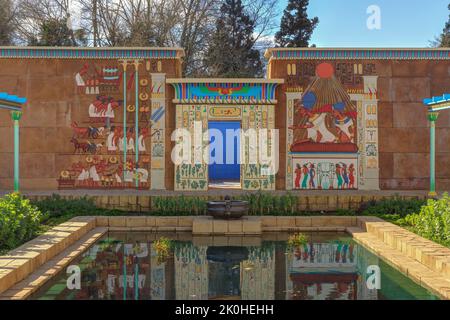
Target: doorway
[225, 170]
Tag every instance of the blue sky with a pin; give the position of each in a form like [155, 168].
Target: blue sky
[404, 23]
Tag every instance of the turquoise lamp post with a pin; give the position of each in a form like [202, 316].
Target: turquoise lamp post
[434, 104]
[14, 104]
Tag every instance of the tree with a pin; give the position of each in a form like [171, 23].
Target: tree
[6, 22]
[445, 36]
[231, 52]
[296, 28]
[56, 33]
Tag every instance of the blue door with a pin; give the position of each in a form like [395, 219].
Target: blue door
[229, 169]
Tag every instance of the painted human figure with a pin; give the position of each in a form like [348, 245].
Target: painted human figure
[112, 139]
[298, 174]
[345, 176]
[305, 172]
[79, 77]
[312, 174]
[351, 176]
[345, 126]
[316, 129]
[339, 175]
[141, 142]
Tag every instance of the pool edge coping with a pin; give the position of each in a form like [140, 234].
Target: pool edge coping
[387, 240]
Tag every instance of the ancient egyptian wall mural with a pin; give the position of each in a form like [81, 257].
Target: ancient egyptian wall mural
[332, 126]
[118, 136]
[99, 118]
[253, 104]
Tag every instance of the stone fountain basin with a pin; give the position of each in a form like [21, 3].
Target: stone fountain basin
[228, 210]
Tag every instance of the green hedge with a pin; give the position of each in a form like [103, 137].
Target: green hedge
[19, 221]
[57, 209]
[391, 209]
[432, 221]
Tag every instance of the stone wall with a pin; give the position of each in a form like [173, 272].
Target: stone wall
[54, 102]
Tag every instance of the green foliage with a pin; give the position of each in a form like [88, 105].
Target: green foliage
[433, 220]
[179, 206]
[296, 28]
[267, 204]
[296, 240]
[19, 221]
[58, 210]
[392, 209]
[56, 33]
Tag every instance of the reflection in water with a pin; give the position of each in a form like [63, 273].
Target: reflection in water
[330, 267]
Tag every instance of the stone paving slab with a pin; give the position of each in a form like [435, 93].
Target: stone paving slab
[428, 253]
[22, 261]
[23, 289]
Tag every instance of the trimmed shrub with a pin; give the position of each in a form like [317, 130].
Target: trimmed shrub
[391, 209]
[58, 209]
[19, 221]
[433, 220]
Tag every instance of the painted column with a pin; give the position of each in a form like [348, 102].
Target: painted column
[432, 117]
[16, 115]
[124, 66]
[290, 105]
[158, 131]
[136, 120]
[368, 132]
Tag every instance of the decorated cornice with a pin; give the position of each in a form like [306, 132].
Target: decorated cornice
[224, 91]
[11, 102]
[358, 53]
[438, 103]
[90, 53]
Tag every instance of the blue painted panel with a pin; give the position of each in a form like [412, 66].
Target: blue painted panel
[226, 171]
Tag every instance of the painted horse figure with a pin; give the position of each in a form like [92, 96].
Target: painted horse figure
[83, 147]
[89, 132]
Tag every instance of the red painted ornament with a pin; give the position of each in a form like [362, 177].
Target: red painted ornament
[325, 70]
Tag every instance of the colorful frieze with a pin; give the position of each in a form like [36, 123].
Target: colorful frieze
[358, 54]
[90, 53]
[119, 137]
[325, 174]
[220, 92]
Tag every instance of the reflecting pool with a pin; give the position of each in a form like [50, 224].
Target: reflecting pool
[130, 266]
